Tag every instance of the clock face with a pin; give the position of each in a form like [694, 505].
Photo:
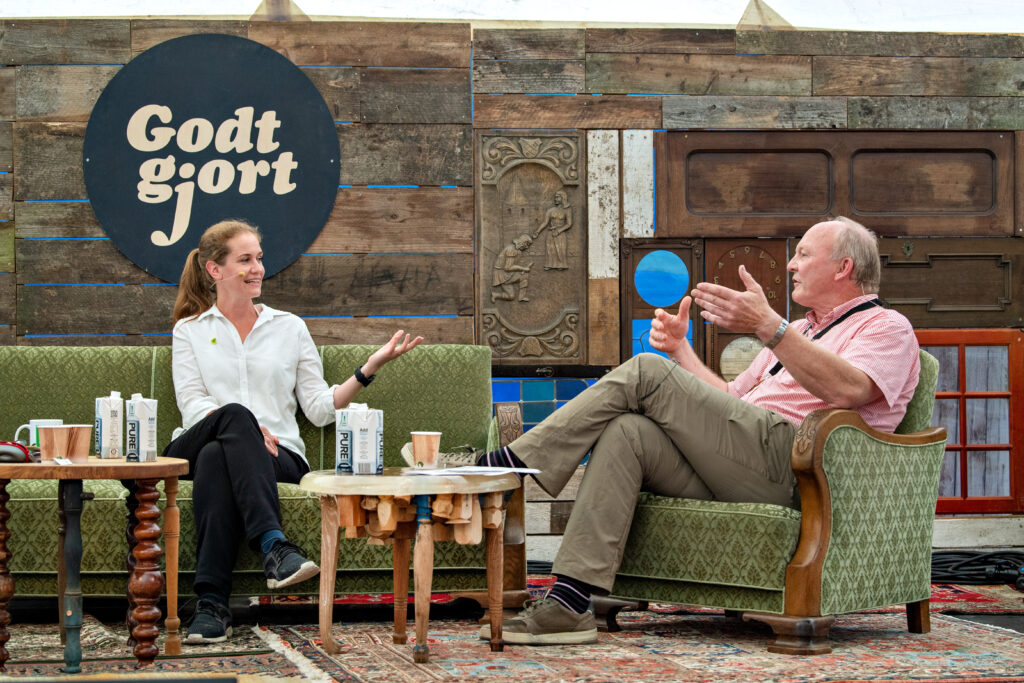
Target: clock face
[766, 263]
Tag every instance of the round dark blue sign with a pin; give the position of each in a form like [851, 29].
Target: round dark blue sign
[203, 128]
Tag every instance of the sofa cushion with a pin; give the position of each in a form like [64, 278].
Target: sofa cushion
[710, 542]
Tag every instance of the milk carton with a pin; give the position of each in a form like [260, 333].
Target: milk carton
[110, 426]
[140, 419]
[359, 440]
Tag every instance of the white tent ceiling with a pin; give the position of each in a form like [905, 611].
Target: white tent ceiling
[988, 16]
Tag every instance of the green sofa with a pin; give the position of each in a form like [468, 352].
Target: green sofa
[440, 387]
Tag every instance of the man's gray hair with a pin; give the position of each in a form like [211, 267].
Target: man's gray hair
[860, 245]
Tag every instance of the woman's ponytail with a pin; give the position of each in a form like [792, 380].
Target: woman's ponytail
[194, 292]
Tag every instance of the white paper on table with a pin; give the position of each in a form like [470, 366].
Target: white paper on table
[470, 469]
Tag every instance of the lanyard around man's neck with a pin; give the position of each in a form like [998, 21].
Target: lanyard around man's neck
[863, 306]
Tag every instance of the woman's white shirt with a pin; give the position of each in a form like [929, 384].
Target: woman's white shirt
[277, 368]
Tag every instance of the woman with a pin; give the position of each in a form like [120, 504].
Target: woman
[239, 370]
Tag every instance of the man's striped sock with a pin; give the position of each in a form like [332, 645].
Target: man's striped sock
[574, 594]
[503, 457]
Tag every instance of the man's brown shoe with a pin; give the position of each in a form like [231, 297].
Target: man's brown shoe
[546, 622]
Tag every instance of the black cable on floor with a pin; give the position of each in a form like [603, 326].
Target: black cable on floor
[973, 567]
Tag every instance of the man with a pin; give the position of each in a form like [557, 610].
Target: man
[508, 272]
[674, 428]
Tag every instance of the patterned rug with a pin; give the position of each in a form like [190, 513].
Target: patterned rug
[694, 647]
[36, 650]
[666, 643]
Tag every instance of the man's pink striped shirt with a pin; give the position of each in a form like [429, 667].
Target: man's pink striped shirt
[879, 341]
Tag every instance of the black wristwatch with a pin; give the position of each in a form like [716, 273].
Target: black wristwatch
[361, 378]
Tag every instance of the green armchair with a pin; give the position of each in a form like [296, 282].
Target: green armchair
[861, 538]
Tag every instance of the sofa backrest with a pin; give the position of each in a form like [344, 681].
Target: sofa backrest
[919, 410]
[444, 387]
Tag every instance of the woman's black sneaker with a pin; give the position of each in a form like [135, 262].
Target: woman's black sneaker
[284, 564]
[210, 624]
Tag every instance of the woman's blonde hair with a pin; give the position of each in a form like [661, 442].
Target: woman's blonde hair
[195, 289]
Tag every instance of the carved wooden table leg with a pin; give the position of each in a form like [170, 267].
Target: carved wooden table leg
[400, 581]
[131, 503]
[146, 582]
[423, 575]
[73, 591]
[329, 530]
[495, 584]
[172, 525]
[6, 580]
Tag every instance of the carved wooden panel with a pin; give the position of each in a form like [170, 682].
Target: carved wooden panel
[657, 273]
[954, 283]
[730, 351]
[532, 247]
[780, 183]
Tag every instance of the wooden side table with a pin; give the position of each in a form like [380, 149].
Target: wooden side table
[396, 507]
[145, 582]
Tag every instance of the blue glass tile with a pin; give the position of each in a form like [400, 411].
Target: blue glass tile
[568, 388]
[538, 390]
[535, 412]
[504, 392]
[661, 278]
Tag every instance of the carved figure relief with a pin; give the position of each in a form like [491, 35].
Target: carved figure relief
[510, 277]
[558, 221]
[528, 196]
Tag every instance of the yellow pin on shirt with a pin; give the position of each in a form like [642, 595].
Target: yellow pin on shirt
[213, 340]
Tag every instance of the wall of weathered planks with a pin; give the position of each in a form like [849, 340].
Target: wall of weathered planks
[407, 249]
[399, 242]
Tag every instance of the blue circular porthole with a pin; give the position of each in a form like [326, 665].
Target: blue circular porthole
[661, 278]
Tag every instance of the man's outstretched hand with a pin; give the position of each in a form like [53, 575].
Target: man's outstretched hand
[736, 310]
[668, 331]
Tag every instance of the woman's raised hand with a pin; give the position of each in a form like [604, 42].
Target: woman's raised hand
[394, 348]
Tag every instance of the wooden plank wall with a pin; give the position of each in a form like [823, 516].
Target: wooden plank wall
[406, 97]
[398, 244]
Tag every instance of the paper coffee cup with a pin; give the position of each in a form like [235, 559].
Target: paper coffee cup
[425, 446]
[71, 442]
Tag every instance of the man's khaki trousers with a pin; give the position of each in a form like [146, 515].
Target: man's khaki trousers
[652, 426]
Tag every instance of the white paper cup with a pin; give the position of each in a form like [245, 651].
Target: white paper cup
[425, 446]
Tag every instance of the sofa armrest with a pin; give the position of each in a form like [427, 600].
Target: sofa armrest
[809, 459]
